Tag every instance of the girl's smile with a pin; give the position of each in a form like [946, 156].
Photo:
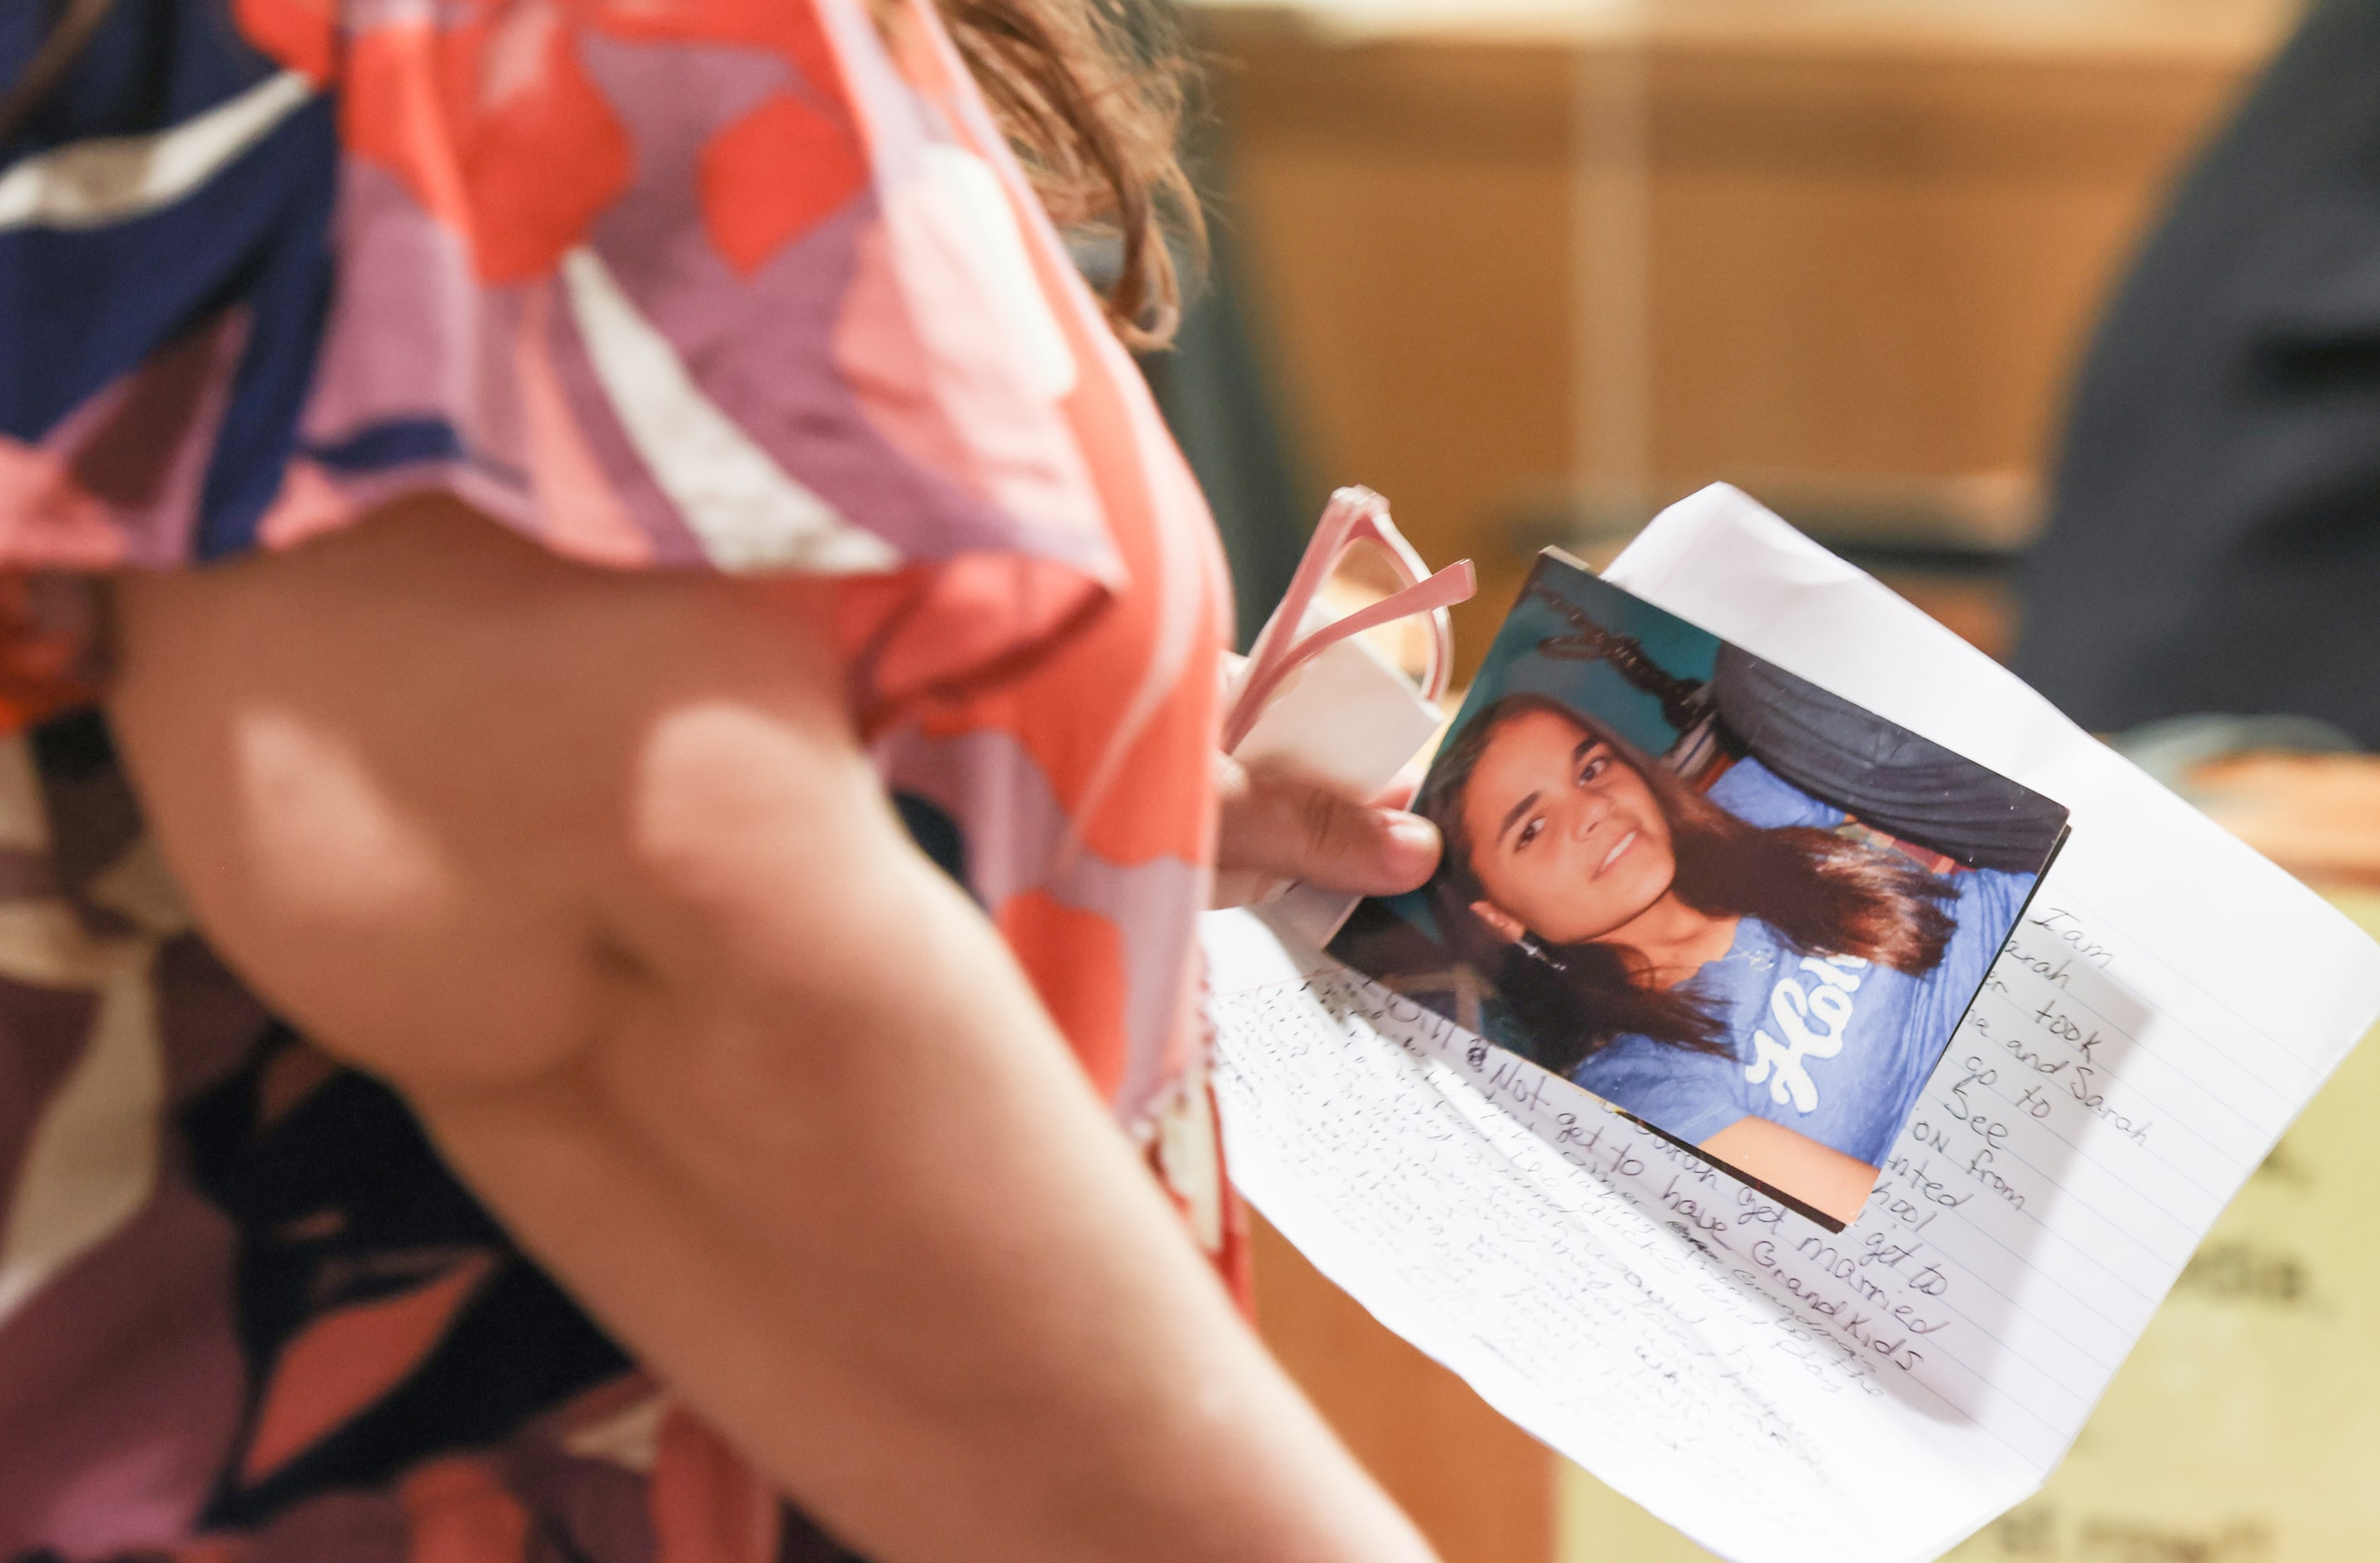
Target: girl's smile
[1568, 840]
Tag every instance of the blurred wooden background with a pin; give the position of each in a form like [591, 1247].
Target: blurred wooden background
[1533, 281]
[1532, 272]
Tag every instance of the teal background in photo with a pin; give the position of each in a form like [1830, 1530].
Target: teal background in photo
[1414, 907]
[1513, 665]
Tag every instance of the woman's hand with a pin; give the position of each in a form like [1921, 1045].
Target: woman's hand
[1277, 830]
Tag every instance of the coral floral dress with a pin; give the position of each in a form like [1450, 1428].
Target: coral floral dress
[699, 285]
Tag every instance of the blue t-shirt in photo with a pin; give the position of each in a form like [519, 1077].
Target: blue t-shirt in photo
[1834, 1048]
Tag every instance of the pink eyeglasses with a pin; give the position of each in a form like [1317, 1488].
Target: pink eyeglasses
[1353, 515]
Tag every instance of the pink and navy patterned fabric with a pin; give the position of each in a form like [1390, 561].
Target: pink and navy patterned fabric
[747, 285]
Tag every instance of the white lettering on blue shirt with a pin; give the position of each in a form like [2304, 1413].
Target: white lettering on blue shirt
[1813, 1020]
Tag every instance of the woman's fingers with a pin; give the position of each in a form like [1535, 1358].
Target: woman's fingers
[1277, 827]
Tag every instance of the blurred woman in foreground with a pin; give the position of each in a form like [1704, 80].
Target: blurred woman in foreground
[690, 769]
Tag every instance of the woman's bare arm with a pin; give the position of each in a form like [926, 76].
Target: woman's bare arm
[1815, 1174]
[592, 869]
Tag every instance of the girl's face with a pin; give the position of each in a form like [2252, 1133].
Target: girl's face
[1566, 838]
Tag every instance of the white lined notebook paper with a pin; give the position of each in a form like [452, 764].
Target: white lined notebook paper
[1775, 1391]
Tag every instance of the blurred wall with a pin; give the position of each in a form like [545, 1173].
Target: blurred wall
[1532, 281]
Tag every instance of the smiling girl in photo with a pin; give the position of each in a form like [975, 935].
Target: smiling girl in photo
[1744, 968]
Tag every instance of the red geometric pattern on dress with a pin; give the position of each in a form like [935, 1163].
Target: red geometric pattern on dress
[1076, 961]
[301, 34]
[45, 664]
[790, 28]
[771, 175]
[57, 520]
[920, 644]
[210, 1549]
[1070, 707]
[457, 1511]
[707, 1505]
[494, 128]
[492, 123]
[1235, 1261]
[343, 1361]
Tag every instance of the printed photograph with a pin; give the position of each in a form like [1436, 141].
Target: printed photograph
[1742, 910]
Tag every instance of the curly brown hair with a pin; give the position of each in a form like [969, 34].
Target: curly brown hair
[1091, 94]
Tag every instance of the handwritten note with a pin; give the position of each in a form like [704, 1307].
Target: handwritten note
[1776, 1391]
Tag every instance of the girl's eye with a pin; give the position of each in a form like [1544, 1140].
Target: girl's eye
[1528, 833]
[1595, 766]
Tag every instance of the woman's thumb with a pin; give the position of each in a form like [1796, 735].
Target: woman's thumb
[1290, 829]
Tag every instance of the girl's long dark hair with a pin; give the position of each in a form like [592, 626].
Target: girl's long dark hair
[1826, 894]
